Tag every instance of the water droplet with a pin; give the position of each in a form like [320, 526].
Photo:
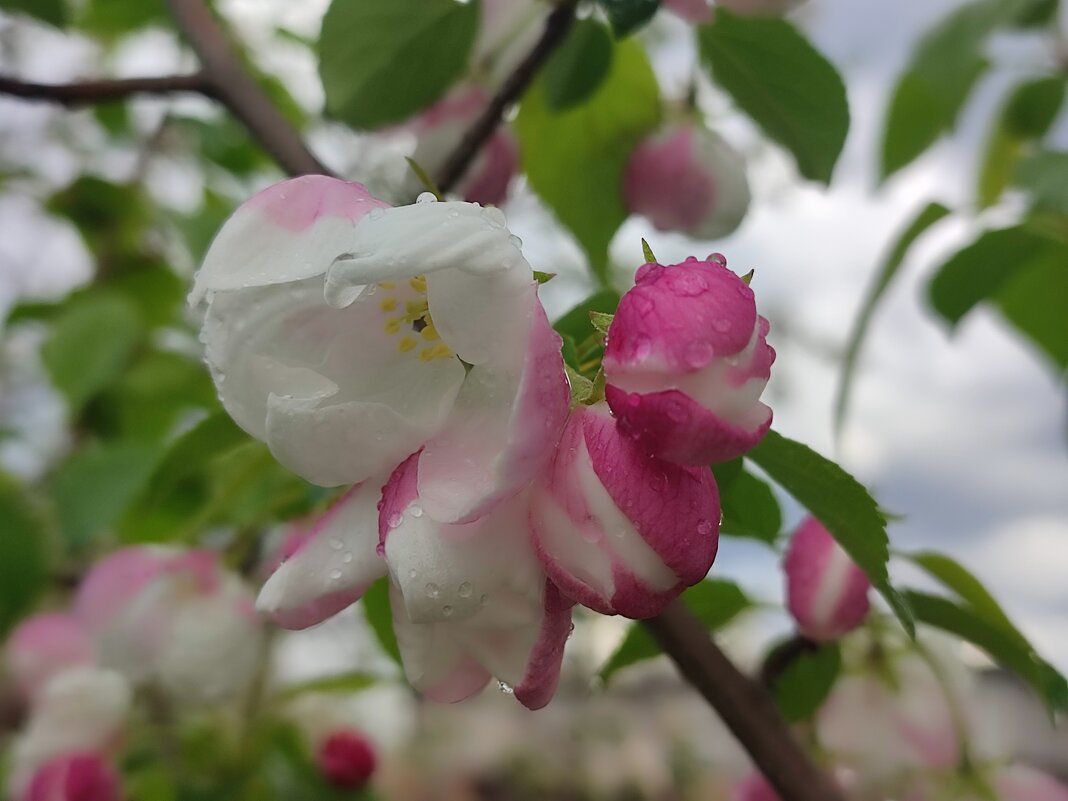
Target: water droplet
[336, 544]
[425, 197]
[347, 557]
[483, 600]
[698, 354]
[659, 481]
[677, 412]
[691, 258]
[464, 591]
[591, 533]
[704, 528]
[415, 510]
[495, 217]
[395, 519]
[717, 258]
[432, 590]
[570, 630]
[413, 573]
[642, 347]
[446, 610]
[505, 687]
[335, 574]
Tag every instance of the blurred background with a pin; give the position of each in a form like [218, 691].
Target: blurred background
[960, 433]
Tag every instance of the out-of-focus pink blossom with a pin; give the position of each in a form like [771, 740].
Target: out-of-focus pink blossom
[172, 616]
[75, 777]
[826, 592]
[439, 131]
[347, 759]
[754, 787]
[1023, 783]
[687, 179]
[41, 647]
[686, 362]
[618, 530]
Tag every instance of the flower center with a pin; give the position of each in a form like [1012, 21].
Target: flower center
[407, 317]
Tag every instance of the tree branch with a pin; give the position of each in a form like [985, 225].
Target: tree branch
[744, 705]
[84, 93]
[557, 25]
[236, 89]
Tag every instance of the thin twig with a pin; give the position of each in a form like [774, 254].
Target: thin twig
[743, 705]
[557, 25]
[84, 93]
[237, 90]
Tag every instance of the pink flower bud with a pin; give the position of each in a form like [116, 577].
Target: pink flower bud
[618, 530]
[346, 759]
[74, 777]
[439, 130]
[686, 362]
[754, 787]
[826, 592]
[687, 179]
[42, 646]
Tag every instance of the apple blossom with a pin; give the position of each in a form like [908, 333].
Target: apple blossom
[346, 759]
[41, 647]
[618, 530]
[440, 128]
[172, 616]
[686, 178]
[75, 777]
[827, 593]
[80, 711]
[686, 361]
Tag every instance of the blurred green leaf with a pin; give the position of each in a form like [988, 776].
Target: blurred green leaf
[1026, 116]
[155, 394]
[1035, 301]
[945, 65]
[54, 12]
[931, 213]
[112, 218]
[964, 584]
[576, 323]
[1002, 647]
[780, 80]
[578, 66]
[749, 506]
[715, 602]
[23, 553]
[1036, 13]
[223, 142]
[1045, 176]
[838, 501]
[806, 681]
[190, 454]
[93, 488]
[575, 159]
[348, 683]
[627, 16]
[376, 609]
[381, 61]
[89, 345]
[114, 18]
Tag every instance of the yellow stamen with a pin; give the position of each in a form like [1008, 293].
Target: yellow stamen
[430, 333]
[418, 283]
[415, 309]
[387, 304]
[393, 325]
[426, 355]
[407, 344]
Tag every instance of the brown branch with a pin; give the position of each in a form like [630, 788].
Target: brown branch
[742, 704]
[84, 93]
[782, 656]
[237, 90]
[557, 25]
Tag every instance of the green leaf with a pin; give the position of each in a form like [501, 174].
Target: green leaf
[627, 16]
[1001, 646]
[1045, 176]
[782, 82]
[715, 602]
[931, 213]
[601, 321]
[966, 586]
[23, 554]
[381, 61]
[581, 387]
[577, 68]
[114, 18]
[802, 687]
[348, 683]
[945, 65]
[647, 253]
[376, 608]
[542, 277]
[1035, 300]
[112, 218]
[978, 271]
[749, 507]
[191, 453]
[93, 488]
[574, 159]
[90, 344]
[838, 501]
[54, 12]
[577, 323]
[1026, 117]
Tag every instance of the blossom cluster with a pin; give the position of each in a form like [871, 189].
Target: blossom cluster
[404, 353]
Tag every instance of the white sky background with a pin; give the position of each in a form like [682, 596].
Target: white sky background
[965, 435]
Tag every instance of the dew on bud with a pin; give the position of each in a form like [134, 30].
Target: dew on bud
[424, 197]
[464, 590]
[335, 574]
[505, 687]
[336, 544]
[446, 610]
[717, 258]
[698, 354]
[415, 510]
[432, 590]
[395, 519]
[347, 557]
[704, 528]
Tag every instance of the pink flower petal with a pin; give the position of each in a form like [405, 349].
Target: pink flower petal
[44, 645]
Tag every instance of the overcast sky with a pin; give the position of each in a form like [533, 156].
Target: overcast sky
[962, 434]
